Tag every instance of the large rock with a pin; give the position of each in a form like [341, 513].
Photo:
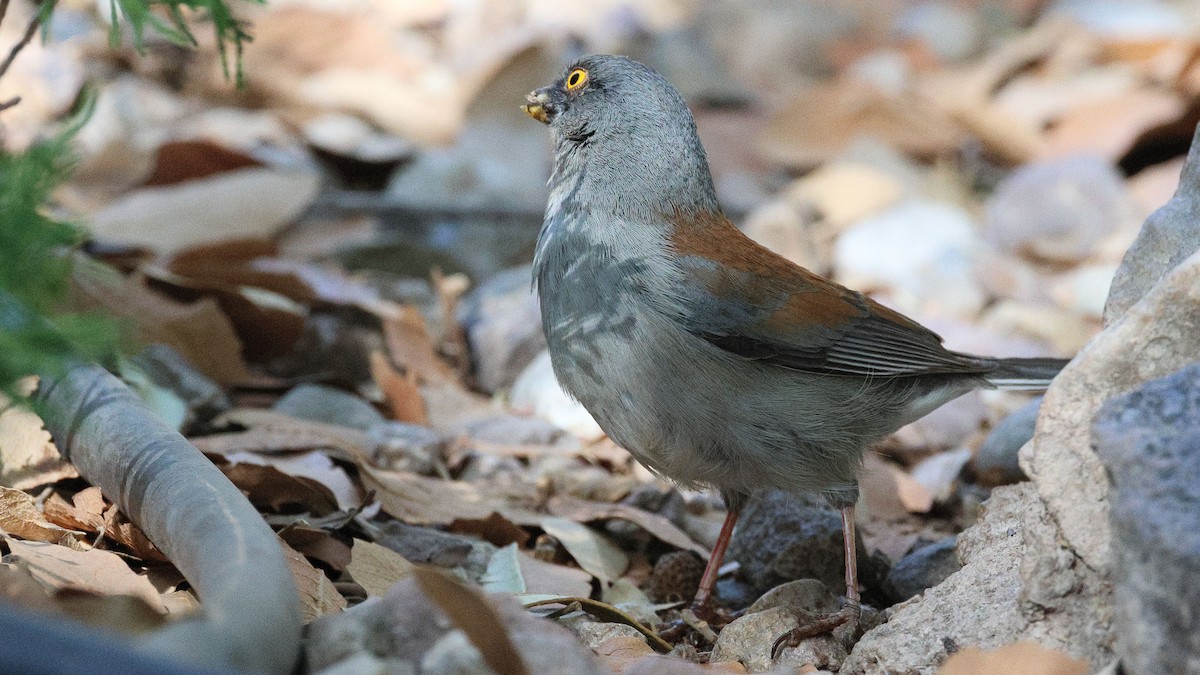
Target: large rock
[1169, 235]
[1149, 440]
[1156, 337]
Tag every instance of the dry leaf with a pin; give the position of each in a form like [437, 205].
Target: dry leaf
[400, 391]
[20, 517]
[181, 161]
[96, 571]
[495, 529]
[471, 611]
[199, 331]
[543, 578]
[85, 511]
[318, 544]
[1021, 658]
[660, 527]
[422, 500]
[591, 550]
[314, 465]
[632, 656]
[317, 593]
[269, 431]
[122, 613]
[270, 489]
[245, 202]
[410, 347]
[377, 568]
[28, 458]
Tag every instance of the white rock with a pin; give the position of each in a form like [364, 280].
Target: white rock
[538, 391]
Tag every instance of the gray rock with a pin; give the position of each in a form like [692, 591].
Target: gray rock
[404, 628]
[425, 545]
[809, 595]
[517, 430]
[595, 633]
[1149, 439]
[923, 568]
[782, 537]
[503, 326]
[1058, 209]
[167, 368]
[1156, 337]
[748, 640]
[996, 462]
[332, 406]
[400, 446]
[1169, 235]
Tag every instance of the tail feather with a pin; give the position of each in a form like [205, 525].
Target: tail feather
[1025, 374]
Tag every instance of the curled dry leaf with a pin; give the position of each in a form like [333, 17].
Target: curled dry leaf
[400, 391]
[20, 517]
[318, 596]
[89, 512]
[95, 571]
[28, 457]
[199, 331]
[423, 500]
[376, 568]
[410, 347]
[471, 611]
[591, 550]
[314, 465]
[494, 529]
[608, 613]
[660, 527]
[270, 489]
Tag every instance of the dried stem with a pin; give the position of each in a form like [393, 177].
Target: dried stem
[30, 31]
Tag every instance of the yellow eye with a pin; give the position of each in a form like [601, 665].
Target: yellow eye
[576, 79]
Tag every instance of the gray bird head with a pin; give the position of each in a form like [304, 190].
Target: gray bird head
[624, 138]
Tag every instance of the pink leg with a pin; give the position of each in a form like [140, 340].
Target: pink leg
[709, 580]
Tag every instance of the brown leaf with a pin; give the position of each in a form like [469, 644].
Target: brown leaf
[1110, 127]
[269, 431]
[410, 347]
[270, 489]
[400, 391]
[28, 458]
[180, 161]
[475, 615]
[314, 465]
[318, 544]
[1021, 658]
[122, 613]
[19, 516]
[85, 511]
[377, 568]
[94, 570]
[318, 596]
[543, 578]
[495, 529]
[199, 331]
[632, 656]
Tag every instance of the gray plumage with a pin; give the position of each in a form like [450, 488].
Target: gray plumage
[676, 354]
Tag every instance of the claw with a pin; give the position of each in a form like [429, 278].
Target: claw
[818, 626]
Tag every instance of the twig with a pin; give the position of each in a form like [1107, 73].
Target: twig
[3, 10]
[5, 105]
[30, 31]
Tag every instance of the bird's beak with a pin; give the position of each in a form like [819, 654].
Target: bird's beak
[538, 105]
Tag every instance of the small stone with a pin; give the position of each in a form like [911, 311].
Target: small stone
[923, 568]
[538, 392]
[810, 595]
[503, 327]
[996, 461]
[425, 545]
[915, 250]
[675, 577]
[939, 473]
[400, 446]
[332, 406]
[749, 639]
[595, 633]
[1059, 209]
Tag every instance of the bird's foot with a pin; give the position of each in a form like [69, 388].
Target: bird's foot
[812, 626]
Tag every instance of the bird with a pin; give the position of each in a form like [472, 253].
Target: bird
[714, 361]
